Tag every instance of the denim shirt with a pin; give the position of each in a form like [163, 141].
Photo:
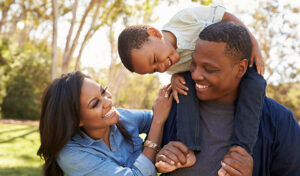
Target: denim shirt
[86, 156]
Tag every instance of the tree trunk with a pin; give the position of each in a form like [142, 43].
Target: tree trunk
[88, 35]
[68, 56]
[54, 41]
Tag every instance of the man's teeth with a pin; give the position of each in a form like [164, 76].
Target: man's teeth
[109, 112]
[201, 86]
[170, 62]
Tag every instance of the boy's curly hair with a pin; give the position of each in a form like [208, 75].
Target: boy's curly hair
[132, 37]
[236, 37]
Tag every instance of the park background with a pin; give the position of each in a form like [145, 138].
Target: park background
[41, 39]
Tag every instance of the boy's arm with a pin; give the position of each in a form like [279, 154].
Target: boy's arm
[256, 54]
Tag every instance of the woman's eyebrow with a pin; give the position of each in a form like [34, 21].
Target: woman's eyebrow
[91, 100]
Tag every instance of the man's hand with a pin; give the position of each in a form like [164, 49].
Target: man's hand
[178, 86]
[174, 155]
[237, 162]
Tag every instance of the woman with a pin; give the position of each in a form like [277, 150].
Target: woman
[83, 134]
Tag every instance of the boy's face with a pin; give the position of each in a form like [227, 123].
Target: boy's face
[217, 76]
[155, 55]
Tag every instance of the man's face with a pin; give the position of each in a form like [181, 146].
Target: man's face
[216, 76]
[155, 55]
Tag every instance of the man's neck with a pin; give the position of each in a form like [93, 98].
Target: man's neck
[170, 37]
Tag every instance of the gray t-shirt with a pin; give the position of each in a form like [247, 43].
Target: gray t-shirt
[217, 125]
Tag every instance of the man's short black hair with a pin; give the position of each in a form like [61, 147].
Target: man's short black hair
[132, 37]
[236, 37]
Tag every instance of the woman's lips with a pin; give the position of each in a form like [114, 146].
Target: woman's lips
[110, 112]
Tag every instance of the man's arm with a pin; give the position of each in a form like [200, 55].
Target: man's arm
[286, 152]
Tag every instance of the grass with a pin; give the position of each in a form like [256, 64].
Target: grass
[18, 147]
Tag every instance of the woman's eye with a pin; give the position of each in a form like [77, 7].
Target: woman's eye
[95, 104]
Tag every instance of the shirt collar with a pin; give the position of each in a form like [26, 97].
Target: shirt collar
[86, 140]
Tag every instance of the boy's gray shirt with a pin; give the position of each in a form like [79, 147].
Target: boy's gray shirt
[186, 25]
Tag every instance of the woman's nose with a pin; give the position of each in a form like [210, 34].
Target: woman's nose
[107, 101]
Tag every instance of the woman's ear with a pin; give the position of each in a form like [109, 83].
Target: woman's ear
[154, 32]
[242, 67]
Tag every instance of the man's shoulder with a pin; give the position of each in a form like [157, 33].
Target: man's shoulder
[273, 108]
[275, 114]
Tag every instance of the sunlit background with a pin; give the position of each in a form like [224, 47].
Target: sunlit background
[29, 59]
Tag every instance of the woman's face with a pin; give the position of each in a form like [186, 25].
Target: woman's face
[96, 107]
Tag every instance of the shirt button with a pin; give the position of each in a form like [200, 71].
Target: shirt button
[113, 149]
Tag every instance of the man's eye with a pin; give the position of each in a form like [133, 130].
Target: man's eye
[210, 70]
[95, 104]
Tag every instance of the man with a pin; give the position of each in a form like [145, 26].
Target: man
[219, 62]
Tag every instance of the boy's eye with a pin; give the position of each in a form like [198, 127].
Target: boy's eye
[103, 91]
[95, 104]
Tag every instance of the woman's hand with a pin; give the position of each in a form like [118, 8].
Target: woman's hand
[178, 86]
[162, 104]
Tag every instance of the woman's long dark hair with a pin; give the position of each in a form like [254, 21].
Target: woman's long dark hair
[60, 118]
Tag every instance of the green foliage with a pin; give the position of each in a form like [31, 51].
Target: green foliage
[28, 73]
[18, 146]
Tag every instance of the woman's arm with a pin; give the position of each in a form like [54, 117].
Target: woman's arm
[161, 109]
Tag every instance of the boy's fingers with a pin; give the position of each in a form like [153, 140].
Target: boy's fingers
[181, 79]
[251, 61]
[175, 96]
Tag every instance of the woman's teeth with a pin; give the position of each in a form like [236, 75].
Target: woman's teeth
[109, 112]
[201, 86]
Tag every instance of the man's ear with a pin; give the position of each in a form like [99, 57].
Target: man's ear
[154, 32]
[242, 67]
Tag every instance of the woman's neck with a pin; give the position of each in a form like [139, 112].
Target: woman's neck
[102, 133]
[170, 37]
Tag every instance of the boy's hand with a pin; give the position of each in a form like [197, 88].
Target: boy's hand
[173, 156]
[257, 57]
[237, 162]
[178, 86]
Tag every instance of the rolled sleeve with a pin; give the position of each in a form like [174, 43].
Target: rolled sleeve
[145, 166]
[218, 13]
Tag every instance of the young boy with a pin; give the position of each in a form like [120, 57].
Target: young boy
[144, 49]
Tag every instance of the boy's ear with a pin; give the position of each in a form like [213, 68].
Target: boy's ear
[154, 32]
[242, 67]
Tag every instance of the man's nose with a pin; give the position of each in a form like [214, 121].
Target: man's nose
[197, 75]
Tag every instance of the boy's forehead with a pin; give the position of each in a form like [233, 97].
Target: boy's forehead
[141, 60]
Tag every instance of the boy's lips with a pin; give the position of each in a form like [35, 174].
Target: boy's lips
[170, 61]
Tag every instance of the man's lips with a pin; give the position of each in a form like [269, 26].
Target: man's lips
[201, 86]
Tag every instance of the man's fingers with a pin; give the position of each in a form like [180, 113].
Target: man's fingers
[163, 158]
[231, 171]
[179, 154]
[167, 153]
[180, 146]
[239, 150]
[164, 167]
